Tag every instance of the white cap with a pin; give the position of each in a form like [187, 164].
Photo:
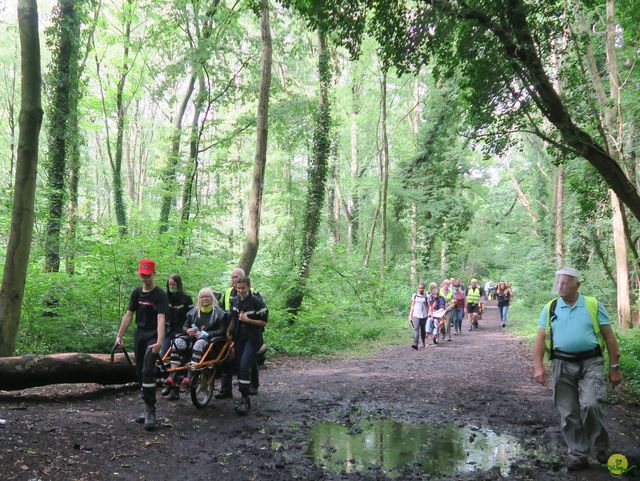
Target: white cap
[568, 271]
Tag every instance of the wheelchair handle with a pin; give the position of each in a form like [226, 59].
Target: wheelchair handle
[124, 350]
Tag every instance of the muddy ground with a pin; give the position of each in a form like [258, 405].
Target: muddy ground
[394, 404]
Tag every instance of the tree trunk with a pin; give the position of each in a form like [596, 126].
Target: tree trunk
[443, 258]
[332, 196]
[74, 179]
[414, 243]
[317, 177]
[192, 163]
[368, 245]
[11, 120]
[169, 175]
[252, 242]
[74, 367]
[19, 243]
[354, 202]
[191, 172]
[612, 126]
[615, 134]
[118, 197]
[385, 173]
[414, 122]
[558, 203]
[65, 40]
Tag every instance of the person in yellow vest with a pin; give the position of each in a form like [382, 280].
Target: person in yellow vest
[474, 294]
[447, 292]
[574, 331]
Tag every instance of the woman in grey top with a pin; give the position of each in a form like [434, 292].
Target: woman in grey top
[418, 314]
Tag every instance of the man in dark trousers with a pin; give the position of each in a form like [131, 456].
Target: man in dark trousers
[227, 374]
[249, 317]
[150, 305]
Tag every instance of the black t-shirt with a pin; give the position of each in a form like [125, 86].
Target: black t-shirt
[179, 305]
[503, 298]
[255, 308]
[147, 306]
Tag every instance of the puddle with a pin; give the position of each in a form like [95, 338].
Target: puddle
[442, 449]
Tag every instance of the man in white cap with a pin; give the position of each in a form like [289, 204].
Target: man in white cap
[573, 332]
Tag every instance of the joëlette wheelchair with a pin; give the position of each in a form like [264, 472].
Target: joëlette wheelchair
[219, 352]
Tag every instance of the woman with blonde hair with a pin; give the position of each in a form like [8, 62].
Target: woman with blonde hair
[204, 322]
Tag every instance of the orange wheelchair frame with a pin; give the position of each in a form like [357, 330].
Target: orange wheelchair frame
[204, 372]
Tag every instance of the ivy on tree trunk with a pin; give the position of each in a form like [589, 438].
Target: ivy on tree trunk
[317, 178]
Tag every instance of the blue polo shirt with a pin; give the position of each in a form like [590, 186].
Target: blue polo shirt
[572, 328]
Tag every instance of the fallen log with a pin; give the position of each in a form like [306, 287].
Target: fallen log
[72, 367]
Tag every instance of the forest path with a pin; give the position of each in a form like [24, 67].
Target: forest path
[465, 409]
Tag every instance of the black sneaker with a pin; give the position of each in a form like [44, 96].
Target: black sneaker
[139, 419]
[578, 464]
[175, 394]
[243, 406]
[414, 346]
[166, 390]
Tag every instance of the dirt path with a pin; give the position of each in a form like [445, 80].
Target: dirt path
[466, 409]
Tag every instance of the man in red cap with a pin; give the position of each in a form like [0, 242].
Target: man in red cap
[150, 305]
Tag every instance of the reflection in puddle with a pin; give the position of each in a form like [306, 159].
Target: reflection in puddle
[389, 445]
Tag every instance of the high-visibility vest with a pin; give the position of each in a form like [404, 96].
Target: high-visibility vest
[473, 295]
[447, 297]
[591, 304]
[227, 299]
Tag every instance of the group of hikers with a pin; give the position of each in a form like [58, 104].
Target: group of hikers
[172, 321]
[434, 312]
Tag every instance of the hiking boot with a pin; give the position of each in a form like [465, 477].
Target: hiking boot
[175, 394]
[578, 464]
[139, 419]
[150, 418]
[414, 346]
[224, 394]
[253, 390]
[243, 406]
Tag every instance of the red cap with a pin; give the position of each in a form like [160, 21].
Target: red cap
[147, 267]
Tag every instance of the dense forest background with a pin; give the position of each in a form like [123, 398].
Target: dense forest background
[159, 115]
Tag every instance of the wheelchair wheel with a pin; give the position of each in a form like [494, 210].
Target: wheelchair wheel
[202, 388]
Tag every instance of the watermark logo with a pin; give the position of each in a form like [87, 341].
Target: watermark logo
[618, 465]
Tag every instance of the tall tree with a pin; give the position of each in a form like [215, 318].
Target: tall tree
[192, 163]
[74, 141]
[19, 243]
[612, 127]
[496, 48]
[317, 176]
[64, 40]
[385, 170]
[169, 173]
[262, 123]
